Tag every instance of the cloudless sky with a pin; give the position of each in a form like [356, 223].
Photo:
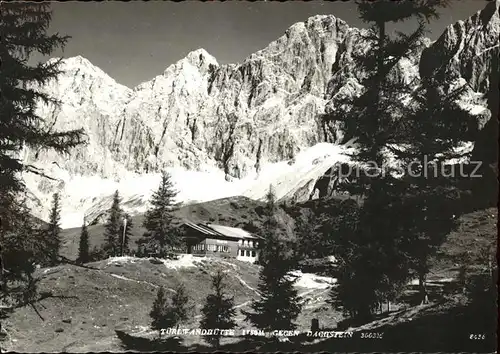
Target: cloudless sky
[135, 41]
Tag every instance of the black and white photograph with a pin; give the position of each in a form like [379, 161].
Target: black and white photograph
[236, 176]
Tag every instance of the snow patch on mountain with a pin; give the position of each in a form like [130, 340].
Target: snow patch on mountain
[88, 197]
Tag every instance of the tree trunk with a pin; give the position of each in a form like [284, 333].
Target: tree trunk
[388, 306]
[423, 289]
[380, 64]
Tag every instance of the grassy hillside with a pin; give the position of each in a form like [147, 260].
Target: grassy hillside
[86, 306]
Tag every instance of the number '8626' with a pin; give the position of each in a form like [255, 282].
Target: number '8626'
[477, 336]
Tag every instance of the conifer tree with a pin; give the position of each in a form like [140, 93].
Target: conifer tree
[375, 258]
[179, 309]
[218, 311]
[23, 26]
[125, 236]
[53, 237]
[279, 304]
[22, 250]
[270, 225]
[169, 313]
[84, 246]
[112, 228]
[310, 242]
[158, 313]
[158, 219]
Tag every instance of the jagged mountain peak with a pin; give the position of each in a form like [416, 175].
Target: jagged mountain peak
[490, 11]
[81, 63]
[80, 77]
[194, 66]
[201, 57]
[317, 22]
[311, 31]
[197, 60]
[78, 60]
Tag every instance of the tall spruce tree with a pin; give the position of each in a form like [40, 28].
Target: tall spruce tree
[24, 32]
[378, 258]
[167, 313]
[218, 311]
[279, 303]
[270, 225]
[310, 242]
[179, 308]
[23, 26]
[53, 234]
[158, 313]
[20, 252]
[112, 228]
[158, 220]
[84, 246]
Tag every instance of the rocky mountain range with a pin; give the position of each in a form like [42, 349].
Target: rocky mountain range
[241, 126]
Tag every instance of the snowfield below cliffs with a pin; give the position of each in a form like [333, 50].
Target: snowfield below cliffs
[90, 196]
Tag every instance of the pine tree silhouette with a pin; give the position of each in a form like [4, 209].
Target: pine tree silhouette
[112, 228]
[84, 246]
[383, 250]
[24, 32]
[158, 220]
[218, 311]
[158, 312]
[23, 27]
[279, 303]
[53, 237]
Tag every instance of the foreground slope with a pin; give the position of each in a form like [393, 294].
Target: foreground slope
[87, 305]
[84, 306]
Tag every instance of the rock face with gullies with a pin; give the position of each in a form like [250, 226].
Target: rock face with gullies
[464, 54]
[93, 101]
[236, 117]
[465, 49]
[200, 115]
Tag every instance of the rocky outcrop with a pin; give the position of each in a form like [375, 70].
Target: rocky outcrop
[465, 49]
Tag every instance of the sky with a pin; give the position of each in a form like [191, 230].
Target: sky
[136, 41]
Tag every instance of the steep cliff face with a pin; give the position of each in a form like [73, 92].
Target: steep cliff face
[236, 117]
[93, 101]
[201, 115]
[465, 49]
[464, 54]
[234, 121]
